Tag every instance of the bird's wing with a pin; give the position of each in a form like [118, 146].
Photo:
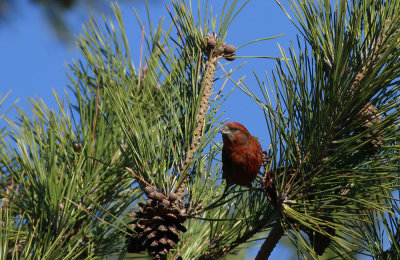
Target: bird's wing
[254, 155]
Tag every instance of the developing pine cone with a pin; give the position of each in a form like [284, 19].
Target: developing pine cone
[156, 225]
[211, 40]
[229, 49]
[229, 52]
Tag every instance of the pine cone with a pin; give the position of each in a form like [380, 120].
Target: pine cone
[211, 40]
[230, 57]
[229, 49]
[156, 225]
[229, 52]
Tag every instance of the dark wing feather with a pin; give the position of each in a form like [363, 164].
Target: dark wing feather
[226, 162]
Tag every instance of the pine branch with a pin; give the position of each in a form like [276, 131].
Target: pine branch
[271, 241]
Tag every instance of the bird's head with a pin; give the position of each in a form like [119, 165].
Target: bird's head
[234, 132]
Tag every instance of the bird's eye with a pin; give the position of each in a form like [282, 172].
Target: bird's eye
[235, 128]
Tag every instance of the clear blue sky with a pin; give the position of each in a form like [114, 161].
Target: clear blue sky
[33, 60]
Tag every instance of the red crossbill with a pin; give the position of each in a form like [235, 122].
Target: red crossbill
[241, 155]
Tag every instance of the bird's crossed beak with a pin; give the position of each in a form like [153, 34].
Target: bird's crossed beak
[225, 130]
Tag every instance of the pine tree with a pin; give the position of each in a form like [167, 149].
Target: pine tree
[127, 163]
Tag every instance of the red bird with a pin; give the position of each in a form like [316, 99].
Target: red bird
[241, 155]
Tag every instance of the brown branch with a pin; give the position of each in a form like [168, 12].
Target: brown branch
[271, 241]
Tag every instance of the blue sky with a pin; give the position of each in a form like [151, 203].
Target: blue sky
[33, 59]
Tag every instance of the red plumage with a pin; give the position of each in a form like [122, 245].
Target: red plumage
[241, 155]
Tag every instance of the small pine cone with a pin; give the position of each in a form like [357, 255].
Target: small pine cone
[229, 49]
[172, 197]
[211, 40]
[230, 57]
[152, 195]
[166, 202]
[148, 190]
[156, 196]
